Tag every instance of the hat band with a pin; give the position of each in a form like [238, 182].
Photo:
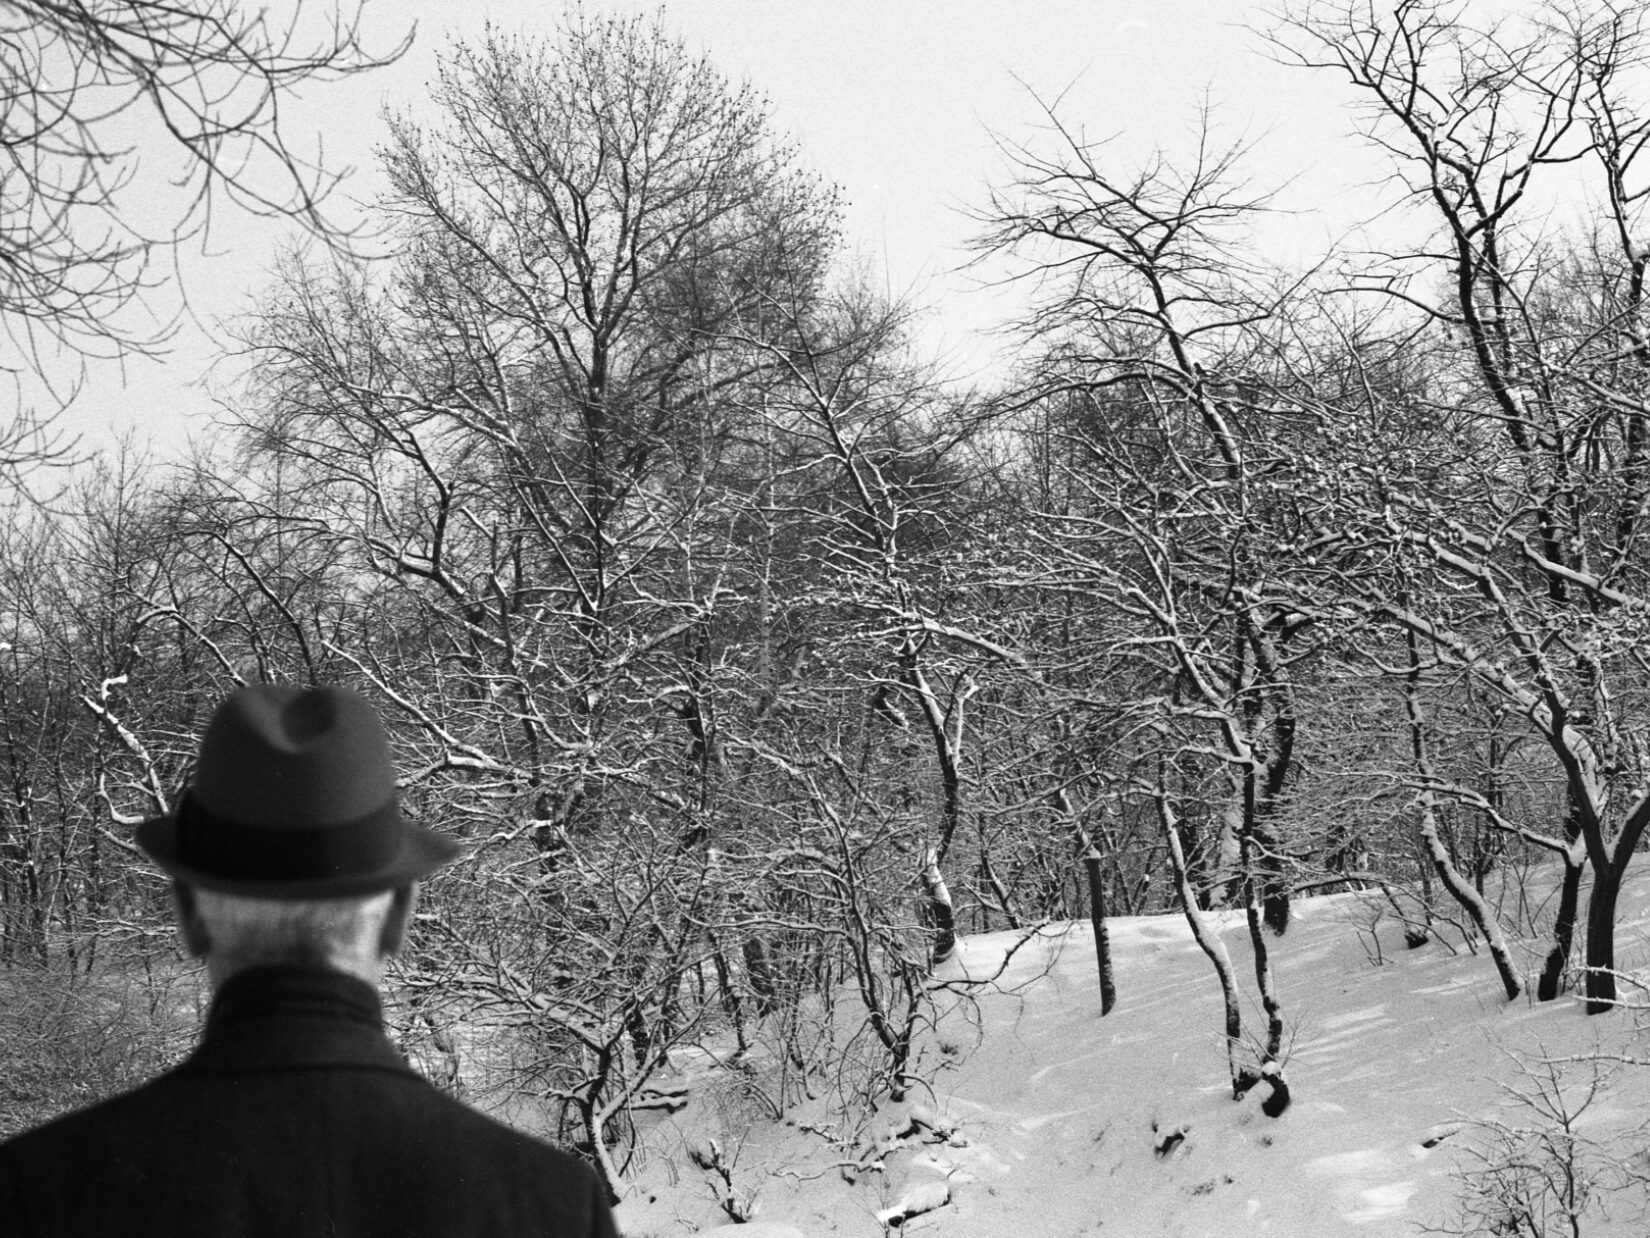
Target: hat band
[232, 849]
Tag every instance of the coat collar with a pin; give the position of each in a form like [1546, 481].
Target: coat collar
[275, 1018]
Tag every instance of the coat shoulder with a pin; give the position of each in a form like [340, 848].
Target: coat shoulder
[311, 1151]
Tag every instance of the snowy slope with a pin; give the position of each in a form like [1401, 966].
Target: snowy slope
[1058, 1112]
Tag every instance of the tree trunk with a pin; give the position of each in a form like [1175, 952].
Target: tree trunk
[595, 1130]
[1254, 913]
[759, 970]
[1432, 841]
[1262, 876]
[1468, 897]
[1599, 983]
[1210, 944]
[729, 993]
[941, 914]
[1102, 938]
[994, 883]
[1564, 927]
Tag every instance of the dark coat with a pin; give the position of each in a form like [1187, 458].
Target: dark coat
[294, 1117]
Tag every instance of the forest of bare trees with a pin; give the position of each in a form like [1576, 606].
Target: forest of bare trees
[753, 662]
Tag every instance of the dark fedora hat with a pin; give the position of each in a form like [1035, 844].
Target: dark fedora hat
[293, 797]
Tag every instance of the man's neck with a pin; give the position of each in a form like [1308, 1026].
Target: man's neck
[220, 969]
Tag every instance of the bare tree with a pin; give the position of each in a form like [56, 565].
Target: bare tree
[1150, 324]
[93, 97]
[535, 460]
[1527, 518]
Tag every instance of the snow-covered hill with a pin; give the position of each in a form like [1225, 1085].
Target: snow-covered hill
[1047, 1119]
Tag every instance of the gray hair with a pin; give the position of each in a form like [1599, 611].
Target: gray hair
[341, 933]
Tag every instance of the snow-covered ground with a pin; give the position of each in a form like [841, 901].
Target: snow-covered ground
[1047, 1119]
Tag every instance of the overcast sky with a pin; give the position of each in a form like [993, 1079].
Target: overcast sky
[897, 101]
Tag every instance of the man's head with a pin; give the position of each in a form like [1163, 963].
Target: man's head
[293, 802]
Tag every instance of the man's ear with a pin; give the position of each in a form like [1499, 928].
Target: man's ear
[191, 928]
[404, 903]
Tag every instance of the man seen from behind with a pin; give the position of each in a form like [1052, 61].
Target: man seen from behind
[294, 878]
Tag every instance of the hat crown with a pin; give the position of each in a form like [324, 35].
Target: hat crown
[288, 757]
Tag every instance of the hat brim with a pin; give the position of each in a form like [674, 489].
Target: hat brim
[420, 852]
